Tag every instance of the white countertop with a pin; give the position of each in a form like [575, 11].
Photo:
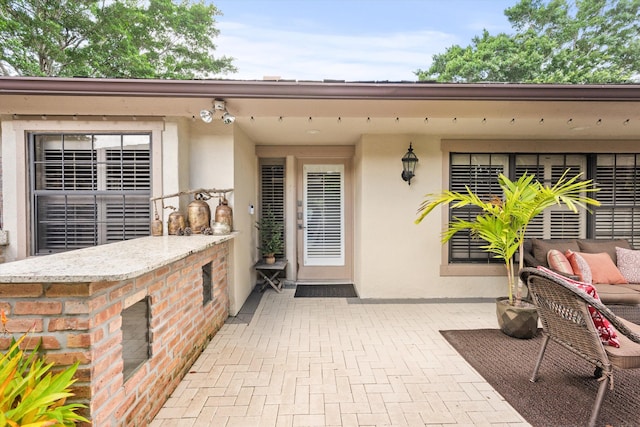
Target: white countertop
[110, 262]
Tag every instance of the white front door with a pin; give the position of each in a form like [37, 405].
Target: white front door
[323, 221]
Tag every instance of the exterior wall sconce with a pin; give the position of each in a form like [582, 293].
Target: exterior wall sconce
[207, 116]
[409, 161]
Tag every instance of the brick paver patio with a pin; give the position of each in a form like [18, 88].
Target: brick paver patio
[339, 362]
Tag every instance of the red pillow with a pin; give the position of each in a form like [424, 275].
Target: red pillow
[603, 270]
[608, 334]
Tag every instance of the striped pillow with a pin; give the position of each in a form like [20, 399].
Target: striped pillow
[558, 262]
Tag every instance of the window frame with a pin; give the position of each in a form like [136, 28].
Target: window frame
[16, 198]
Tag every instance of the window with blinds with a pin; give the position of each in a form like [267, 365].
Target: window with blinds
[479, 172]
[89, 189]
[272, 191]
[618, 178]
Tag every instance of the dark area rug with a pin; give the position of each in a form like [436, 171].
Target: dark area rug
[565, 390]
[325, 291]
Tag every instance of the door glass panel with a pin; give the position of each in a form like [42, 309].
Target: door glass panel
[324, 215]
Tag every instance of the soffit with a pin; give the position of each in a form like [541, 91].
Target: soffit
[325, 117]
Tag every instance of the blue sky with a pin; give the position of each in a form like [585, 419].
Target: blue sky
[352, 40]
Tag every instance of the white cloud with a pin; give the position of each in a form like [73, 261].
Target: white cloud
[262, 51]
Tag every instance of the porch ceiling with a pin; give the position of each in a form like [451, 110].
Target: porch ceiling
[316, 113]
[339, 122]
[343, 122]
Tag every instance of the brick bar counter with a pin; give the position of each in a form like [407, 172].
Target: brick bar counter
[136, 314]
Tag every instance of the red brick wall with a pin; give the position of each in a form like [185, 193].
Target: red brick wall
[1, 196]
[2, 248]
[82, 321]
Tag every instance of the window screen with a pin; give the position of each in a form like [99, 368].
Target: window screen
[89, 189]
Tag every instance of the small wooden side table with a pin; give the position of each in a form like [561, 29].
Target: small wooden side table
[270, 273]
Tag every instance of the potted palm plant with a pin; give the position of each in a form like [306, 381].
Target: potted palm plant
[502, 224]
[271, 242]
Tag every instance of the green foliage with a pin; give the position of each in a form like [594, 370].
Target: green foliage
[121, 39]
[555, 41]
[270, 234]
[31, 395]
[503, 221]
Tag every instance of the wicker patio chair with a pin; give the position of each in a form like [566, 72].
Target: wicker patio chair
[565, 318]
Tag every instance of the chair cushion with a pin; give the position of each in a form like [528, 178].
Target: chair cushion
[603, 270]
[633, 286]
[627, 356]
[629, 264]
[580, 266]
[608, 246]
[608, 335]
[558, 261]
[618, 294]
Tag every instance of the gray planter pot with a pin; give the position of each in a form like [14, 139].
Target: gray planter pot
[517, 321]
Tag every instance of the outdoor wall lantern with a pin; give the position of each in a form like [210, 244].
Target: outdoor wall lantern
[409, 161]
[207, 116]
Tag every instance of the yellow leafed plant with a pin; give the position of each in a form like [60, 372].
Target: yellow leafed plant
[30, 394]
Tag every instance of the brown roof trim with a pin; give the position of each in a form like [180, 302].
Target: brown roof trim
[315, 90]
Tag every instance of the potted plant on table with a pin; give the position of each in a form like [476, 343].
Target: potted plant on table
[503, 223]
[271, 242]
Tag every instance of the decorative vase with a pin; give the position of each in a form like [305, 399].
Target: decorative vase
[270, 259]
[175, 223]
[224, 213]
[156, 227]
[220, 229]
[199, 214]
[517, 321]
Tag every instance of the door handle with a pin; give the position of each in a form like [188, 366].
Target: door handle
[300, 227]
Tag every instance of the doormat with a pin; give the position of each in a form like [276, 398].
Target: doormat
[326, 291]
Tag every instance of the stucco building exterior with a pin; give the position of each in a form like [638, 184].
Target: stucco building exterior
[296, 144]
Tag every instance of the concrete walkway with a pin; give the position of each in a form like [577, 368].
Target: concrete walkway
[339, 362]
